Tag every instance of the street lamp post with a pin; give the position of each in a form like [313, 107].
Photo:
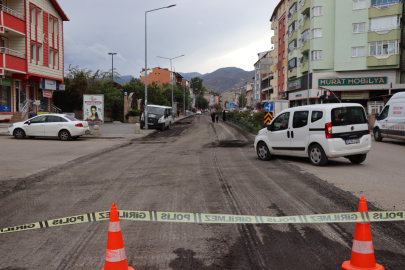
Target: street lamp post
[171, 72]
[146, 66]
[112, 64]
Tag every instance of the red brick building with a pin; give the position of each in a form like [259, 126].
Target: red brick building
[31, 56]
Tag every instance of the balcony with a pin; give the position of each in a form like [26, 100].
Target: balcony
[13, 20]
[385, 10]
[305, 6]
[292, 73]
[292, 53]
[392, 60]
[304, 67]
[394, 34]
[273, 40]
[274, 25]
[292, 36]
[305, 45]
[305, 26]
[293, 18]
[14, 60]
[292, 3]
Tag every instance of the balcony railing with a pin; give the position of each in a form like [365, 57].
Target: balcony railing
[387, 5]
[12, 12]
[12, 52]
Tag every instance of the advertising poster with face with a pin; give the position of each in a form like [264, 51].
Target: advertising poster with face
[93, 109]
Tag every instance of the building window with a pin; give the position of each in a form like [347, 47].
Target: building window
[316, 55]
[39, 54]
[279, 88]
[50, 58]
[39, 18]
[282, 88]
[317, 11]
[50, 25]
[283, 38]
[279, 73]
[283, 70]
[292, 10]
[317, 33]
[33, 49]
[359, 28]
[359, 4]
[292, 46]
[381, 24]
[358, 51]
[292, 63]
[33, 17]
[5, 98]
[386, 47]
[279, 42]
[284, 54]
[304, 37]
[56, 60]
[384, 3]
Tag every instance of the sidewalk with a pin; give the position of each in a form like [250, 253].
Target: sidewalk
[109, 130]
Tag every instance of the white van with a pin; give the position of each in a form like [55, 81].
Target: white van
[158, 117]
[391, 121]
[317, 131]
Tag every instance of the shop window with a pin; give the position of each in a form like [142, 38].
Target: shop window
[50, 58]
[5, 98]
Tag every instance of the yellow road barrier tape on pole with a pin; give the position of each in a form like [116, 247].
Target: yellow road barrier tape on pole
[156, 216]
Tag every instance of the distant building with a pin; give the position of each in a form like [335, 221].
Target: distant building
[263, 75]
[161, 76]
[249, 94]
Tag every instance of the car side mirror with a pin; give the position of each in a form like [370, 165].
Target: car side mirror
[269, 127]
[28, 122]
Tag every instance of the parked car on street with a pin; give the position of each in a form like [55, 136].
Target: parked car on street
[318, 132]
[50, 125]
[391, 121]
[158, 117]
[198, 112]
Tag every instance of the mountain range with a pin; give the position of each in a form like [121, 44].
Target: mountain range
[221, 80]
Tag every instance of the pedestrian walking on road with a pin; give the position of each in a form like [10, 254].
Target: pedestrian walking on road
[224, 116]
[216, 117]
[213, 117]
[178, 113]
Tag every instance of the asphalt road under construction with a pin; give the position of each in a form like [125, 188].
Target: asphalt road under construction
[195, 167]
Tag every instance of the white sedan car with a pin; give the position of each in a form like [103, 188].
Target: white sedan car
[50, 125]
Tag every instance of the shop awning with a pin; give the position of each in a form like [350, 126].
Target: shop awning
[364, 87]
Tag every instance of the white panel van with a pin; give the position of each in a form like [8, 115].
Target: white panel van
[319, 132]
[391, 121]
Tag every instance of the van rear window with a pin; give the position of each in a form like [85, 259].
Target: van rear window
[348, 116]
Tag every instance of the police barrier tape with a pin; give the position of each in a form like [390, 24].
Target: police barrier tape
[212, 218]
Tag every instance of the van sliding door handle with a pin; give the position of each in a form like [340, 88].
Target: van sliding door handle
[292, 134]
[288, 134]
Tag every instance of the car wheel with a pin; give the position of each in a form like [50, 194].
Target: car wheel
[357, 159]
[377, 135]
[19, 133]
[263, 151]
[64, 135]
[317, 155]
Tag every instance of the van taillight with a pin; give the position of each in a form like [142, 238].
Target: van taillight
[368, 125]
[79, 125]
[328, 130]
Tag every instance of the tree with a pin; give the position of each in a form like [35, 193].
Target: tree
[202, 103]
[196, 84]
[136, 87]
[155, 95]
[242, 100]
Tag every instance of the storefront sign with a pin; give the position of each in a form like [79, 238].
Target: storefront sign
[6, 108]
[47, 93]
[49, 84]
[62, 87]
[6, 82]
[282, 95]
[93, 109]
[352, 81]
[355, 95]
[293, 85]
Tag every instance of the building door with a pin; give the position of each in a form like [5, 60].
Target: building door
[21, 95]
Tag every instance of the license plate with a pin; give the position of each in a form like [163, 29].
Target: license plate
[353, 141]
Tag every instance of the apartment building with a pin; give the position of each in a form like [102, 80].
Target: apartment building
[162, 76]
[263, 75]
[31, 56]
[349, 50]
[279, 20]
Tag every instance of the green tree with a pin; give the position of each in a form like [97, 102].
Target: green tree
[136, 87]
[155, 95]
[242, 100]
[202, 102]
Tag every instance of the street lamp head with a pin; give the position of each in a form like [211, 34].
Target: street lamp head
[171, 6]
[111, 53]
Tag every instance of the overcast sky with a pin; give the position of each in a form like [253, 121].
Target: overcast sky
[211, 33]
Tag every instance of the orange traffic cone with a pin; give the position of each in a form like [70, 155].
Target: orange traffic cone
[115, 257]
[362, 250]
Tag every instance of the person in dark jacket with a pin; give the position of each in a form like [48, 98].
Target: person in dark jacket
[213, 117]
[224, 116]
[216, 116]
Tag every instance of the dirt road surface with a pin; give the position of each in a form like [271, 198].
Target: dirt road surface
[196, 166]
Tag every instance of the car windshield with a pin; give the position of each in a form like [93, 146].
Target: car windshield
[71, 118]
[156, 110]
[348, 116]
